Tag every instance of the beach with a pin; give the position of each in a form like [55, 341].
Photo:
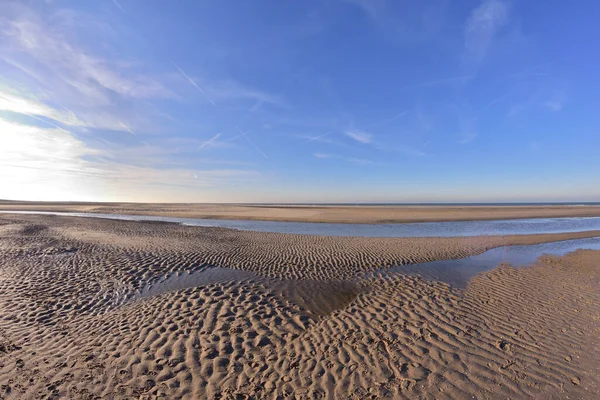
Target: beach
[299, 200]
[360, 214]
[98, 308]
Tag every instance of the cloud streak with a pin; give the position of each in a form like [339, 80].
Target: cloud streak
[353, 160]
[360, 136]
[409, 151]
[209, 141]
[54, 164]
[52, 76]
[119, 6]
[245, 135]
[229, 90]
[482, 26]
[388, 120]
[439, 82]
[467, 137]
[194, 84]
[554, 105]
[373, 8]
[35, 109]
[319, 138]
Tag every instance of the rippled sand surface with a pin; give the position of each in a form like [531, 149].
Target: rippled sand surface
[115, 309]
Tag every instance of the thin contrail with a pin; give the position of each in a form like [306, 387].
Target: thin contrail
[318, 137]
[194, 84]
[34, 117]
[444, 81]
[387, 121]
[128, 129]
[42, 120]
[251, 142]
[118, 5]
[231, 139]
[209, 141]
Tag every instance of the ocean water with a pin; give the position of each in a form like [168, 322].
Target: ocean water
[458, 272]
[455, 272]
[584, 203]
[416, 229]
[325, 296]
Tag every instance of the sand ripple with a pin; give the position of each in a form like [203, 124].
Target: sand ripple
[283, 315]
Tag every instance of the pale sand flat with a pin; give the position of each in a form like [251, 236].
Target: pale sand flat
[296, 325]
[338, 214]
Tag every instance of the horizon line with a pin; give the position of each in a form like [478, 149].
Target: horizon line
[583, 202]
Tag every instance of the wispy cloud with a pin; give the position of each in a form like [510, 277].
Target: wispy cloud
[34, 108]
[482, 26]
[360, 136]
[318, 138]
[323, 155]
[540, 99]
[328, 138]
[409, 151]
[53, 164]
[444, 81]
[368, 139]
[389, 120]
[90, 75]
[343, 158]
[518, 107]
[496, 101]
[163, 152]
[466, 137]
[116, 3]
[554, 105]
[467, 126]
[374, 9]
[34, 146]
[52, 76]
[228, 90]
[556, 100]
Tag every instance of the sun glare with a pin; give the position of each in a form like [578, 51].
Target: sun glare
[41, 164]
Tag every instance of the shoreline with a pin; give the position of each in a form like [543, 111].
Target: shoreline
[512, 333]
[318, 214]
[512, 239]
[290, 255]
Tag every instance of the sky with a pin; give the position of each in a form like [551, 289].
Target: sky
[299, 101]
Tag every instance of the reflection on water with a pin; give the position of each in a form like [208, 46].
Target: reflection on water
[417, 229]
[459, 272]
[186, 280]
[324, 297]
[317, 297]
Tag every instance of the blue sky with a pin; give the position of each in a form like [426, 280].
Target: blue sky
[299, 101]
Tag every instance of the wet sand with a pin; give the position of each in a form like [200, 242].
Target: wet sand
[299, 319]
[333, 214]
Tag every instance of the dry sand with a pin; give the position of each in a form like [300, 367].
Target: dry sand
[338, 214]
[285, 316]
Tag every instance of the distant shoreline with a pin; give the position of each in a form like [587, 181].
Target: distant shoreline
[356, 214]
[122, 307]
[317, 204]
